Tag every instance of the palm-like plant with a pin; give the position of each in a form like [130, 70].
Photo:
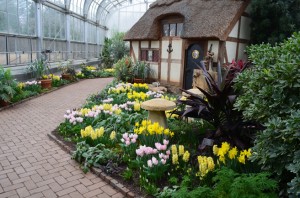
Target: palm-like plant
[216, 107]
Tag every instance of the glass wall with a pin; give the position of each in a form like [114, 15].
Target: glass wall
[17, 17]
[71, 29]
[53, 23]
[122, 18]
[77, 29]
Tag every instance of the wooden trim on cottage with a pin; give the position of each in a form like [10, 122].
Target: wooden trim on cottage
[235, 20]
[160, 59]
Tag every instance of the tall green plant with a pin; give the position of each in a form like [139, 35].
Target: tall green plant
[7, 85]
[106, 58]
[271, 95]
[118, 48]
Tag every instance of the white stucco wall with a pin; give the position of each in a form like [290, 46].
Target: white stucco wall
[175, 72]
[215, 49]
[164, 71]
[177, 49]
[234, 31]
[145, 44]
[164, 47]
[245, 28]
[135, 48]
[231, 50]
[155, 44]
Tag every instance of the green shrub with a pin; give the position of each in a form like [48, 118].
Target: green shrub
[270, 95]
[8, 85]
[229, 184]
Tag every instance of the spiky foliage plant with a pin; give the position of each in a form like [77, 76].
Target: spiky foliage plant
[216, 107]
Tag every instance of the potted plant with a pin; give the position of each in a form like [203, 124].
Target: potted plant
[67, 71]
[7, 86]
[141, 70]
[39, 71]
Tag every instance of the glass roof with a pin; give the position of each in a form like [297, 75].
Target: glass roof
[97, 10]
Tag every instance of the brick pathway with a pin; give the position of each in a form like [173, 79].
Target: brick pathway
[33, 166]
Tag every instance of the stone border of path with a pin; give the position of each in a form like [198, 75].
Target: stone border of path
[120, 187]
[41, 94]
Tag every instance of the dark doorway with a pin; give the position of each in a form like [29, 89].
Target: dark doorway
[194, 54]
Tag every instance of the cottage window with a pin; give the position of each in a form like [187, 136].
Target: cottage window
[149, 55]
[172, 29]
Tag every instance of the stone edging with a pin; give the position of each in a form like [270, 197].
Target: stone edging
[125, 191]
[38, 95]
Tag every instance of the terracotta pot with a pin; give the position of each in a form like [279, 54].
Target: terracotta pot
[67, 77]
[3, 103]
[46, 83]
[138, 80]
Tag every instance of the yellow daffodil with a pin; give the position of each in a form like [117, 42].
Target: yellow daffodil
[242, 158]
[215, 150]
[232, 153]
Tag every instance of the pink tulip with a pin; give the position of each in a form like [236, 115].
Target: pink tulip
[166, 142]
[149, 162]
[125, 135]
[158, 145]
[163, 147]
[133, 140]
[154, 161]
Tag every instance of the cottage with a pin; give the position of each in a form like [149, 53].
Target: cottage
[173, 35]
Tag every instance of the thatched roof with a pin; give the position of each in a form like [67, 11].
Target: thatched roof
[202, 18]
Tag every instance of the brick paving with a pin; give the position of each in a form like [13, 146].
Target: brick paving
[31, 165]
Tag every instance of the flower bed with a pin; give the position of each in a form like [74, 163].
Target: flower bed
[14, 92]
[112, 131]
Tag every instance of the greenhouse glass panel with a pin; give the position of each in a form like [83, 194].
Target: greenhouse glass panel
[77, 6]
[3, 5]
[12, 7]
[3, 22]
[53, 23]
[93, 9]
[77, 29]
[92, 33]
[58, 2]
[13, 25]
[123, 14]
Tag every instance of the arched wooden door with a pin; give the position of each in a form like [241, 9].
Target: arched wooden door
[194, 54]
